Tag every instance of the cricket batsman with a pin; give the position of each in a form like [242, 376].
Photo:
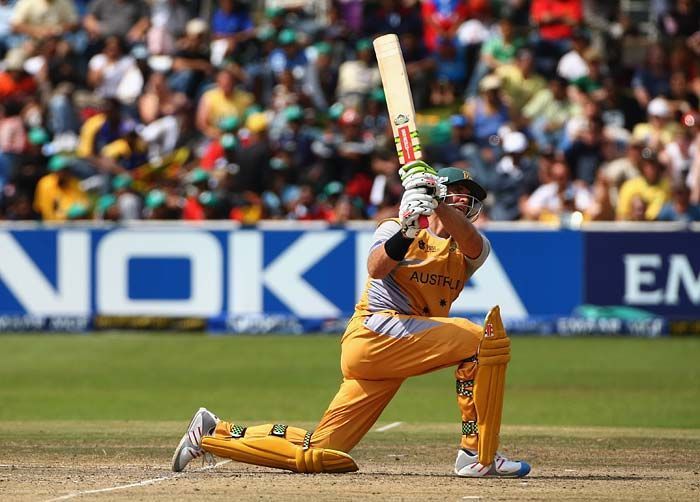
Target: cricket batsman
[400, 329]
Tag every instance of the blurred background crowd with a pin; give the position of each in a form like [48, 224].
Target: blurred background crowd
[565, 110]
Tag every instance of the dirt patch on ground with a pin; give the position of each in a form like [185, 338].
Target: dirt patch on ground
[45, 461]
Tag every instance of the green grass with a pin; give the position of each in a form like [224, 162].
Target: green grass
[551, 381]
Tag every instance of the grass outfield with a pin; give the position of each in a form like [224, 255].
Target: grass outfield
[551, 381]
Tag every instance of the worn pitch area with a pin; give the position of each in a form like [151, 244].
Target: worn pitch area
[70, 460]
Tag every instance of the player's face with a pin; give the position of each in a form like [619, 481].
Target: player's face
[459, 197]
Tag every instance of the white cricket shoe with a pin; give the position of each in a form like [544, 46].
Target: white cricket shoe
[190, 447]
[467, 465]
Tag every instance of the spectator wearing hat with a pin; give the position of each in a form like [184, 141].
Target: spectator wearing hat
[128, 201]
[191, 66]
[652, 187]
[253, 157]
[660, 128]
[126, 19]
[225, 99]
[357, 77]
[288, 55]
[488, 112]
[41, 19]
[57, 191]
[197, 184]
[512, 181]
[519, 80]
[321, 78]
[158, 205]
[376, 119]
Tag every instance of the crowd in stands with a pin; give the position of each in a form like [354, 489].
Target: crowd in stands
[565, 110]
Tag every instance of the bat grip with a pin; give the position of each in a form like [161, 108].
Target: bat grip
[423, 221]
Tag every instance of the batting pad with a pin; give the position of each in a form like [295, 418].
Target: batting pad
[273, 451]
[489, 384]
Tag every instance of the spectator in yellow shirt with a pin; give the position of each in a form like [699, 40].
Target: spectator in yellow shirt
[224, 100]
[58, 191]
[652, 187]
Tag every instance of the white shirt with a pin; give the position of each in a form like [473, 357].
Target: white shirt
[113, 73]
[572, 66]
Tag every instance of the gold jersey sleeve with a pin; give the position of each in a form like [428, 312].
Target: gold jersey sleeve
[425, 282]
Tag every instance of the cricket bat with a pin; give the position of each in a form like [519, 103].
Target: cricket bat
[399, 100]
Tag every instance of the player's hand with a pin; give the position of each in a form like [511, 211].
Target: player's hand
[415, 203]
[415, 167]
[432, 184]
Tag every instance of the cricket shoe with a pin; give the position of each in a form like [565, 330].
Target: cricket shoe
[202, 424]
[467, 465]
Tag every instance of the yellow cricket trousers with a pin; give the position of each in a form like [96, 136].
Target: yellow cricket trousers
[379, 352]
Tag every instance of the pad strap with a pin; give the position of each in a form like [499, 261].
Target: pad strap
[470, 428]
[465, 388]
[279, 430]
[238, 431]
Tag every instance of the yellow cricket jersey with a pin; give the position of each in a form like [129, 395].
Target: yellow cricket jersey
[426, 282]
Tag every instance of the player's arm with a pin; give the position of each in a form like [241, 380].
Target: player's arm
[461, 229]
[392, 239]
[379, 263]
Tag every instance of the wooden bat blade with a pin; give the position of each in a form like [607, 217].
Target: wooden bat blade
[399, 99]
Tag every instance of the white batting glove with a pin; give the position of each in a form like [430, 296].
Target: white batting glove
[414, 204]
[433, 184]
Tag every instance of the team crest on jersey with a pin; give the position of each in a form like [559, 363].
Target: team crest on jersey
[426, 247]
[400, 119]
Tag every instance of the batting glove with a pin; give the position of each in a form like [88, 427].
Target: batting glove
[415, 167]
[432, 184]
[415, 203]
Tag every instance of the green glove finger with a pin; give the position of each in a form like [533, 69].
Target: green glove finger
[417, 166]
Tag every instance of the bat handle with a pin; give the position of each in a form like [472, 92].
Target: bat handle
[423, 221]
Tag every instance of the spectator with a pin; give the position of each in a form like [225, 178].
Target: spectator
[652, 187]
[487, 112]
[357, 77]
[168, 22]
[112, 73]
[549, 201]
[231, 26]
[498, 50]
[520, 82]
[40, 19]
[128, 202]
[191, 64]
[450, 73]
[555, 21]
[322, 78]
[572, 66]
[442, 19]
[58, 191]
[660, 129]
[513, 180]
[679, 208]
[15, 82]
[652, 79]
[126, 19]
[225, 99]
[548, 111]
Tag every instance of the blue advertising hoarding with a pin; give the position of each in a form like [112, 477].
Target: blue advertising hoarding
[300, 279]
[658, 272]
